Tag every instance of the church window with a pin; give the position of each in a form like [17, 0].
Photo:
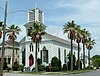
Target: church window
[40, 16]
[45, 55]
[16, 51]
[9, 59]
[31, 47]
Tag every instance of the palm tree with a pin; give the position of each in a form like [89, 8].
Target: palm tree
[85, 34]
[35, 32]
[78, 40]
[69, 28]
[89, 45]
[12, 32]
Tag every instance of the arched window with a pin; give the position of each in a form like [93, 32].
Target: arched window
[44, 52]
[31, 47]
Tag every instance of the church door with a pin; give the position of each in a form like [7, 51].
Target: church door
[31, 60]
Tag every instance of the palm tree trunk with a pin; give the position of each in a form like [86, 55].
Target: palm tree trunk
[78, 56]
[83, 55]
[36, 68]
[71, 55]
[89, 59]
[13, 55]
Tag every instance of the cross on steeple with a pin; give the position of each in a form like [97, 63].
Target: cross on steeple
[36, 3]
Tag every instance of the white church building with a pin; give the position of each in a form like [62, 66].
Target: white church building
[50, 45]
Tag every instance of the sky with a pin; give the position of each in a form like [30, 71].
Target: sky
[85, 13]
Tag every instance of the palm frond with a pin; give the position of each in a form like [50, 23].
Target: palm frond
[12, 31]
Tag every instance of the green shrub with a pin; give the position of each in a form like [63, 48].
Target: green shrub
[39, 62]
[5, 66]
[15, 67]
[47, 69]
[20, 68]
[54, 69]
[41, 67]
[88, 67]
[55, 62]
[8, 69]
[64, 67]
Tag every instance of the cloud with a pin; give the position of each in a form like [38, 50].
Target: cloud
[85, 13]
[82, 11]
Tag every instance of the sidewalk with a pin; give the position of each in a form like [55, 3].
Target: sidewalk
[55, 73]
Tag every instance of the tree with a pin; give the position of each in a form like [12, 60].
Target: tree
[85, 34]
[96, 61]
[89, 46]
[96, 56]
[12, 32]
[74, 61]
[36, 32]
[69, 28]
[78, 40]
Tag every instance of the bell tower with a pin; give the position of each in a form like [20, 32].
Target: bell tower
[36, 15]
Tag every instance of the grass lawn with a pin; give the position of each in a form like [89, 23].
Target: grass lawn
[62, 72]
[50, 73]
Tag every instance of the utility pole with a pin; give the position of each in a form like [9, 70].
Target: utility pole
[3, 43]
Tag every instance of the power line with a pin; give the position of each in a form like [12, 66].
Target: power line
[17, 11]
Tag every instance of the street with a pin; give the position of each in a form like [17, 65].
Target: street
[92, 73]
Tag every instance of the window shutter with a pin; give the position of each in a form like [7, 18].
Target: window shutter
[64, 56]
[41, 55]
[46, 56]
[59, 53]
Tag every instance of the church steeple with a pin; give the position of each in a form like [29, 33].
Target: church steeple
[36, 14]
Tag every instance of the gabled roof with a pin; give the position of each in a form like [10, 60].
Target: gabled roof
[10, 43]
[22, 40]
[55, 38]
[58, 39]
